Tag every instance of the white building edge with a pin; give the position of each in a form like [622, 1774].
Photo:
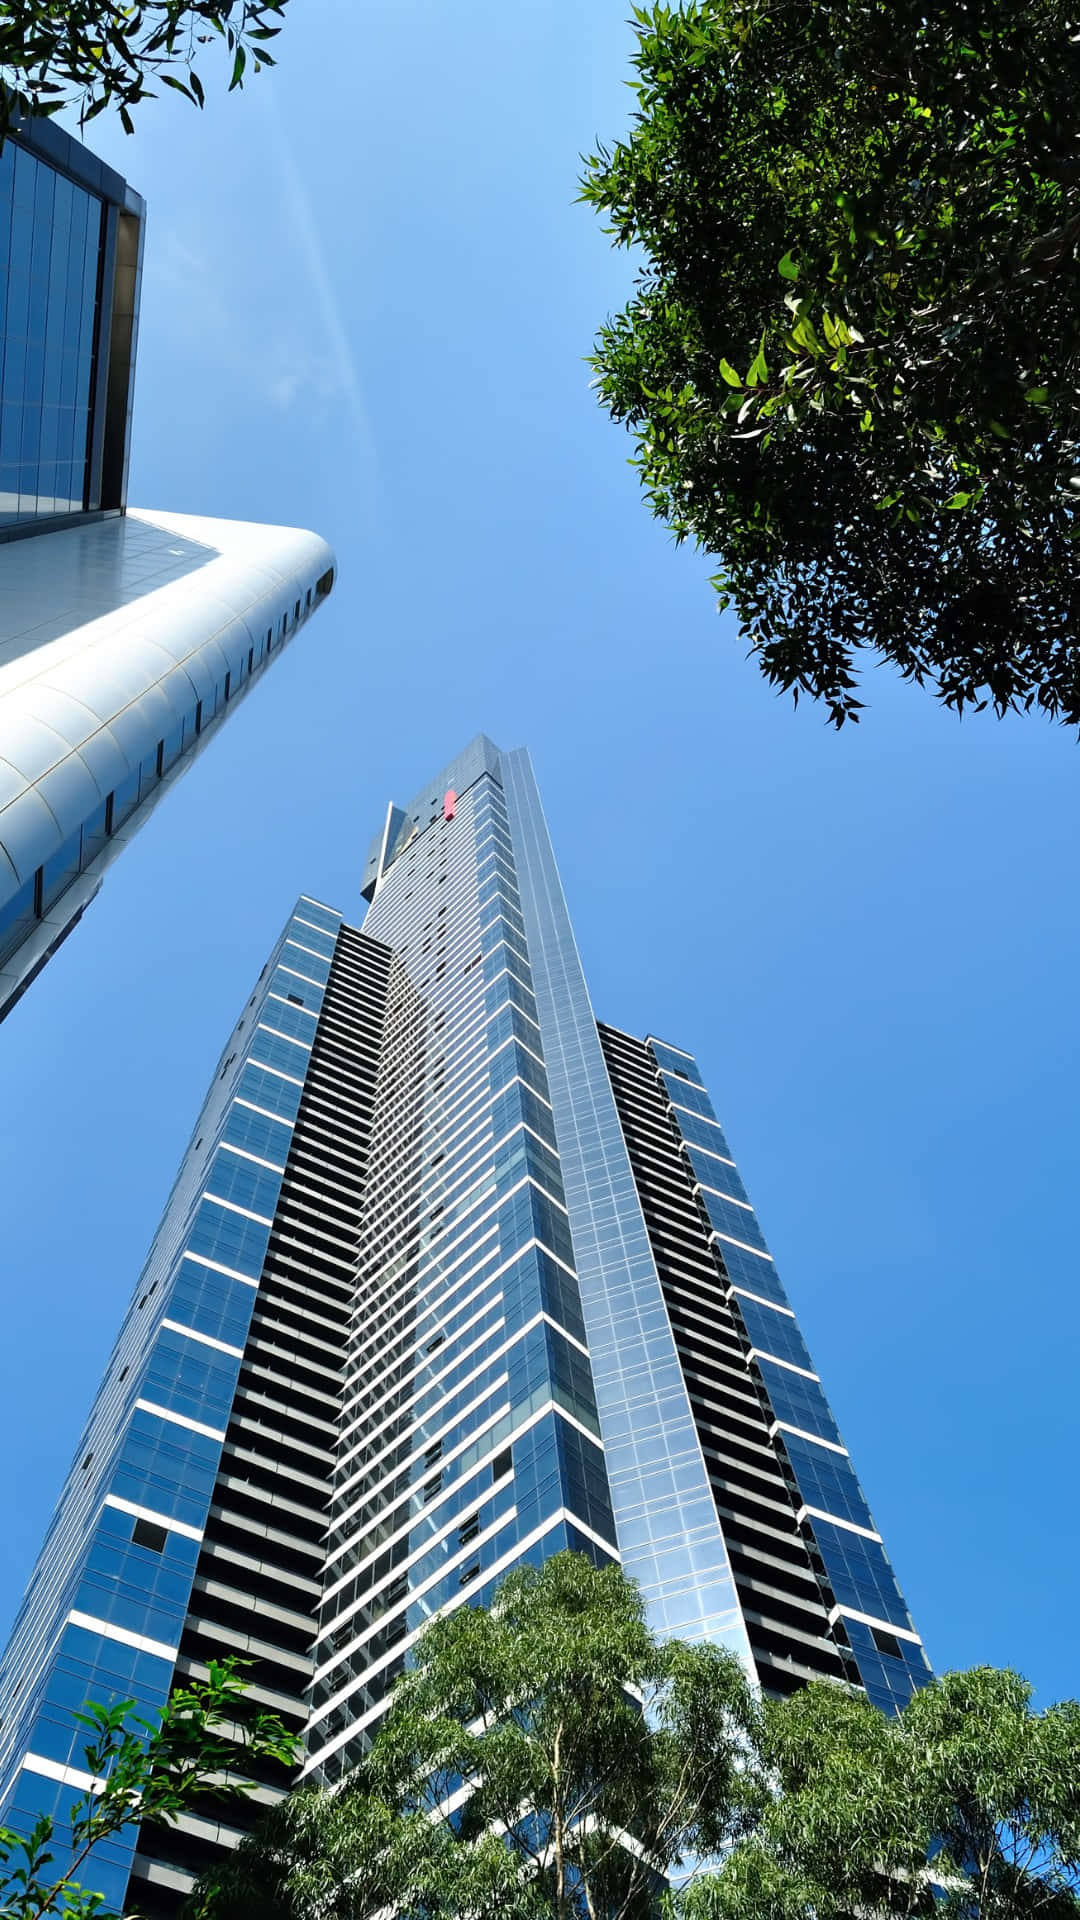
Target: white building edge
[124, 644]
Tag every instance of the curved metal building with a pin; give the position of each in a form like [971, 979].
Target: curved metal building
[123, 645]
[124, 637]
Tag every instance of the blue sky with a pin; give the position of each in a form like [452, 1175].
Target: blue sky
[367, 300]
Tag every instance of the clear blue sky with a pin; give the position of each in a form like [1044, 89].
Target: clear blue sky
[367, 300]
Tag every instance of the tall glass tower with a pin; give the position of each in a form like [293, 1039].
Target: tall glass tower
[451, 1278]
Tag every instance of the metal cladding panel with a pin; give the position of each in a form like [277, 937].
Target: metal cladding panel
[31, 832]
[123, 643]
[70, 792]
[31, 747]
[70, 718]
[104, 756]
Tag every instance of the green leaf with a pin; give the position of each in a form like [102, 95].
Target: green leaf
[788, 268]
[1036, 396]
[729, 374]
[959, 500]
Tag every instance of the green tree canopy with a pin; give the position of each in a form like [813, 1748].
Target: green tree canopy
[551, 1760]
[91, 54]
[522, 1749]
[966, 1806]
[852, 357]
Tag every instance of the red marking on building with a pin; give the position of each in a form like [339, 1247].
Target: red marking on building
[449, 805]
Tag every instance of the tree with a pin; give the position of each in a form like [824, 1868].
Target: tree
[91, 54]
[143, 1771]
[967, 1778]
[345, 1854]
[548, 1759]
[852, 355]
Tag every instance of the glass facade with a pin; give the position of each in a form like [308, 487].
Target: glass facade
[104, 1614]
[867, 1617]
[470, 1438]
[52, 235]
[452, 1278]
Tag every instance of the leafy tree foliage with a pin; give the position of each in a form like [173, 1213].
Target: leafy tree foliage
[143, 1771]
[545, 1760]
[92, 54]
[345, 1854]
[550, 1760]
[852, 358]
[967, 1778]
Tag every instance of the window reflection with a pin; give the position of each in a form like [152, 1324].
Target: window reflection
[50, 245]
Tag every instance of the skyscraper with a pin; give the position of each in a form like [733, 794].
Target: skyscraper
[451, 1278]
[124, 638]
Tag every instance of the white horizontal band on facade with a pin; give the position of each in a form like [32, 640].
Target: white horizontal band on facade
[264, 1066]
[730, 1241]
[408, 1522]
[455, 1558]
[216, 1266]
[494, 1447]
[849, 1526]
[500, 1566]
[295, 974]
[260, 1219]
[695, 1146]
[314, 951]
[432, 1275]
[276, 1034]
[385, 1402]
[654, 1040]
[871, 1620]
[746, 1205]
[429, 1440]
[400, 1340]
[244, 1153]
[744, 1293]
[180, 1419]
[453, 1356]
[67, 1776]
[204, 1339]
[680, 1107]
[313, 927]
[800, 1433]
[150, 1513]
[253, 1107]
[126, 1638]
[282, 1000]
[759, 1353]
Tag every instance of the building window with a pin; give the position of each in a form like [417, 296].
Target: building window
[887, 1643]
[145, 1534]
